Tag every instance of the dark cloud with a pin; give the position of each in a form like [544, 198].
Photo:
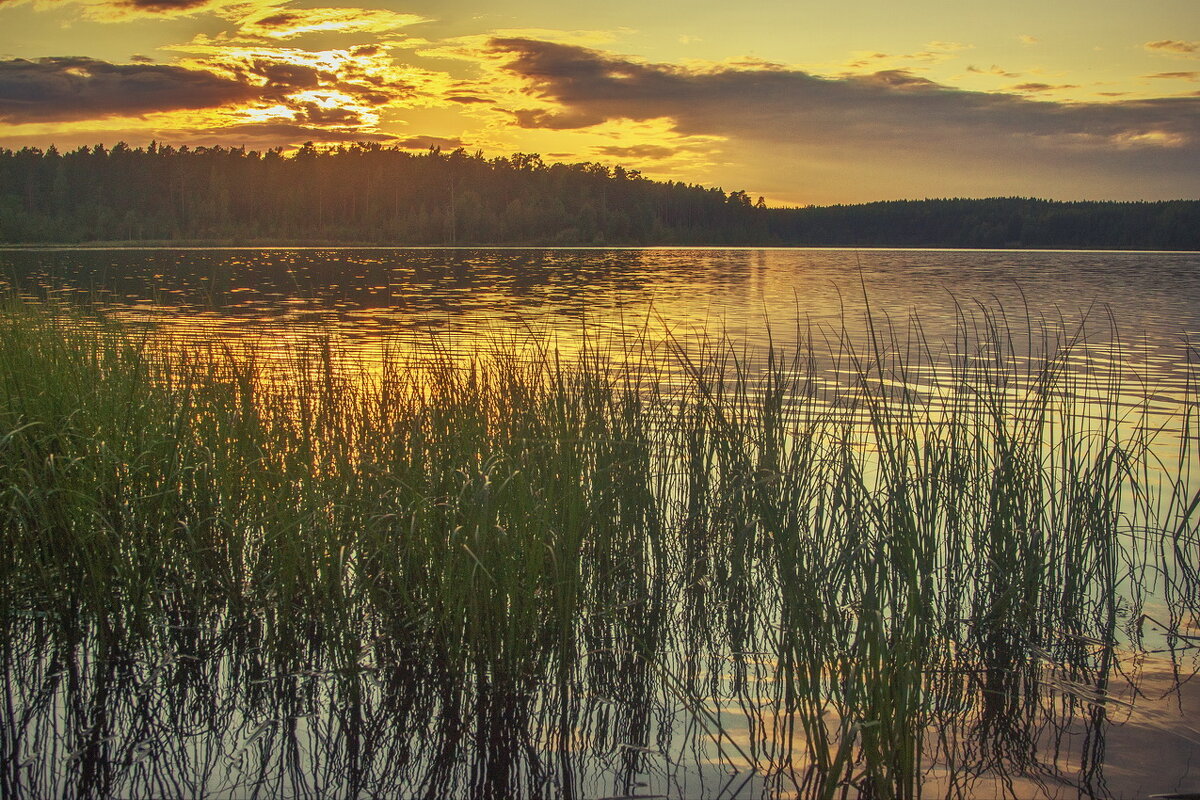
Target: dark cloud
[314, 114]
[467, 99]
[74, 87]
[290, 77]
[110, 10]
[162, 6]
[591, 87]
[889, 128]
[1187, 76]
[116, 9]
[895, 79]
[281, 20]
[277, 78]
[137, 58]
[1174, 46]
[1042, 87]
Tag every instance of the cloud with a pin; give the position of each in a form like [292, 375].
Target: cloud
[257, 19]
[888, 127]
[1041, 87]
[473, 47]
[1175, 46]
[127, 10]
[122, 10]
[580, 87]
[647, 151]
[993, 70]
[896, 79]
[1025, 38]
[275, 23]
[314, 113]
[936, 53]
[1186, 76]
[947, 46]
[344, 91]
[162, 6]
[351, 85]
[74, 88]
[468, 99]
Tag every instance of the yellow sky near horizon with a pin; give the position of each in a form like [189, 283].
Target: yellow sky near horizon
[797, 101]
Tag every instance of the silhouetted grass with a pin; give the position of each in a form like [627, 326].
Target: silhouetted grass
[478, 574]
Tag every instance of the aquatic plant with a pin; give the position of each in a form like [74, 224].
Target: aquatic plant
[896, 569]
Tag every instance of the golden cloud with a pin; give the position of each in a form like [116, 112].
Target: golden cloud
[1176, 47]
[344, 91]
[122, 10]
[1183, 76]
[259, 19]
[993, 70]
[1032, 88]
[934, 53]
[477, 48]
[653, 152]
[281, 23]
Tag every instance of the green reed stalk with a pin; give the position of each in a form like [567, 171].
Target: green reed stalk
[902, 536]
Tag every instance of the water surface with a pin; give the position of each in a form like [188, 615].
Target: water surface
[1096, 711]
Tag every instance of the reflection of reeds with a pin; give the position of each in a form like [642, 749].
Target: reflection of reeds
[505, 575]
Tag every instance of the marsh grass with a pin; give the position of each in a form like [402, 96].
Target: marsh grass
[908, 564]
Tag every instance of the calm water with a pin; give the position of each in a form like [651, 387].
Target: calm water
[1132, 315]
[388, 292]
[234, 732]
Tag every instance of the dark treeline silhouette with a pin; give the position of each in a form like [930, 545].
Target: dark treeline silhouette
[995, 222]
[371, 193]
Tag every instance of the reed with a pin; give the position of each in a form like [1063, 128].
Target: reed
[494, 564]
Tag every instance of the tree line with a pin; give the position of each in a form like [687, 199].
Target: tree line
[368, 193]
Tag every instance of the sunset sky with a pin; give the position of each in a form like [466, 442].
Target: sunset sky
[798, 101]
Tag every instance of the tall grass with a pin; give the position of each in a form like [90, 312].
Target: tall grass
[505, 575]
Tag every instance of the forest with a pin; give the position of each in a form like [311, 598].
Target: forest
[367, 193]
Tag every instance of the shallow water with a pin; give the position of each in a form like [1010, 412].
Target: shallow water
[198, 710]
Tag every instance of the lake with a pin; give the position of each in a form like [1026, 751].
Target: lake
[366, 292]
[1016, 651]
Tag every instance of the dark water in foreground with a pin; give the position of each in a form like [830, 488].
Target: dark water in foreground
[657, 704]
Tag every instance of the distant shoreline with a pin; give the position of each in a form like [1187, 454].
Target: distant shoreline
[234, 244]
[370, 197]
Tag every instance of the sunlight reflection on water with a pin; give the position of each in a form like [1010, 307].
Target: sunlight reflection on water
[424, 301]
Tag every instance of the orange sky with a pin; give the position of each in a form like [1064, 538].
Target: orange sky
[800, 102]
